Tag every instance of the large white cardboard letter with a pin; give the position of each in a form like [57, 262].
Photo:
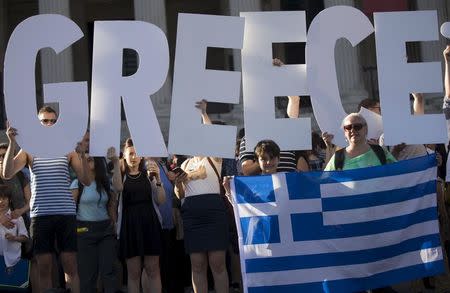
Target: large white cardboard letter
[33, 34]
[327, 27]
[108, 86]
[192, 82]
[397, 78]
[262, 82]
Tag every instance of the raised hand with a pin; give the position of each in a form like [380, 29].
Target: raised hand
[11, 132]
[112, 155]
[277, 62]
[5, 220]
[152, 169]
[446, 53]
[328, 139]
[202, 104]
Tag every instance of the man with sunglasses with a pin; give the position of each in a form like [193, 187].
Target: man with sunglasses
[52, 208]
[358, 153]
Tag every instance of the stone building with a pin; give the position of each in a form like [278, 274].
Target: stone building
[356, 67]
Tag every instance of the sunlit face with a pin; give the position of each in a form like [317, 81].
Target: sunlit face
[267, 164]
[47, 118]
[4, 203]
[376, 108]
[131, 158]
[355, 130]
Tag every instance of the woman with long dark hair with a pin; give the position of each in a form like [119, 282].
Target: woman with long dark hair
[96, 219]
[140, 231]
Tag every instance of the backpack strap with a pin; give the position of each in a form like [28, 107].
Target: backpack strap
[379, 151]
[339, 158]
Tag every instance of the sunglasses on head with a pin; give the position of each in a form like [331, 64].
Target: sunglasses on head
[48, 120]
[356, 126]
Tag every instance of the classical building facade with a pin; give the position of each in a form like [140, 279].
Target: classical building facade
[356, 67]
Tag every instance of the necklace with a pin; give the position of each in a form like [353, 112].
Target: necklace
[135, 176]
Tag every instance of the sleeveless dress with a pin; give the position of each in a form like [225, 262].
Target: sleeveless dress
[140, 232]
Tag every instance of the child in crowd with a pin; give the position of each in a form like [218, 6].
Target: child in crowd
[12, 233]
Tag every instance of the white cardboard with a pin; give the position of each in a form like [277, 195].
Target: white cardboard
[108, 86]
[37, 32]
[445, 29]
[327, 27]
[374, 123]
[192, 82]
[262, 81]
[397, 78]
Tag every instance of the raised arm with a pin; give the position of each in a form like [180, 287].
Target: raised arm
[418, 105]
[201, 105]
[331, 148]
[293, 107]
[13, 164]
[117, 177]
[447, 71]
[153, 168]
[77, 160]
[247, 160]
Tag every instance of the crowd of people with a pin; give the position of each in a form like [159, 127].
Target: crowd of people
[124, 222]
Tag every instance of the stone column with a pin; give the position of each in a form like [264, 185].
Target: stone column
[348, 68]
[154, 11]
[56, 68]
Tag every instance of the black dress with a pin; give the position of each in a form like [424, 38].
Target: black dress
[140, 232]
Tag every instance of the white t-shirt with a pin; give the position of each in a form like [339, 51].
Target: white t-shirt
[11, 250]
[201, 186]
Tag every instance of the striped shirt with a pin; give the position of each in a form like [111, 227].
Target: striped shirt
[287, 163]
[50, 193]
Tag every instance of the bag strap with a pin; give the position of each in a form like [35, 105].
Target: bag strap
[215, 170]
[379, 151]
[222, 189]
[339, 158]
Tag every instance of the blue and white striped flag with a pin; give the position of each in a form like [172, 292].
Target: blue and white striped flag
[338, 231]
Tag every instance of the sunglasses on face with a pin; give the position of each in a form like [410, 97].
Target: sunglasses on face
[356, 127]
[48, 120]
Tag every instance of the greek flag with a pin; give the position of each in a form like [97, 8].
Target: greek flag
[339, 231]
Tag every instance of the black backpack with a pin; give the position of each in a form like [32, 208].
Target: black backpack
[339, 156]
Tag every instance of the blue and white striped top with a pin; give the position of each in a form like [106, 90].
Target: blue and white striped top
[50, 193]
